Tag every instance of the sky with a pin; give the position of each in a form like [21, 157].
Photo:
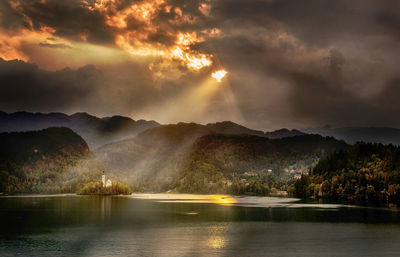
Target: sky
[293, 64]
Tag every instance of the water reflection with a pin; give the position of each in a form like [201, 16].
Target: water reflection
[217, 236]
[217, 242]
[105, 209]
[226, 200]
[219, 226]
[223, 199]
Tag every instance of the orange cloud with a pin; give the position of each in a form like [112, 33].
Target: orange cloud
[205, 8]
[11, 43]
[155, 31]
[138, 42]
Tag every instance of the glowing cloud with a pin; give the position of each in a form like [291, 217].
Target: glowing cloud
[139, 43]
[159, 33]
[219, 75]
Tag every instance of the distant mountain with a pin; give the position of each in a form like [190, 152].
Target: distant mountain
[229, 127]
[96, 131]
[361, 134]
[173, 134]
[100, 131]
[49, 160]
[155, 152]
[166, 157]
[281, 133]
[163, 142]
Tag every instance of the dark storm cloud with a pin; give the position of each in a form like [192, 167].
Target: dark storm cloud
[10, 18]
[329, 61]
[56, 45]
[69, 19]
[389, 99]
[23, 86]
[78, 19]
[290, 63]
[314, 21]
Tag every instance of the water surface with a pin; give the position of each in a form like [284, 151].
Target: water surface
[192, 225]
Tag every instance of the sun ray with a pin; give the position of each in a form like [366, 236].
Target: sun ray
[219, 75]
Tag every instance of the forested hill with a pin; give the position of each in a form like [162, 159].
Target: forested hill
[42, 161]
[160, 150]
[189, 157]
[366, 173]
[232, 163]
[96, 131]
[227, 152]
[33, 145]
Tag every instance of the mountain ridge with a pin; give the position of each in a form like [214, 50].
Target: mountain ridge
[352, 135]
[101, 131]
[96, 131]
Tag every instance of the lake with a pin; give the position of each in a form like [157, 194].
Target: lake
[192, 225]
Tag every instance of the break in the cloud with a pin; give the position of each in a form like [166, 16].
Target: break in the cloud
[289, 63]
[157, 29]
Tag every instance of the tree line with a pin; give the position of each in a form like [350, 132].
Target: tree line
[365, 173]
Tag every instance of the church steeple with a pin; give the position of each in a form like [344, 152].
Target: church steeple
[103, 179]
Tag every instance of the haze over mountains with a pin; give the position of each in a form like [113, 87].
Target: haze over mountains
[96, 131]
[222, 157]
[99, 131]
[229, 127]
[352, 135]
[47, 160]
[174, 156]
[246, 163]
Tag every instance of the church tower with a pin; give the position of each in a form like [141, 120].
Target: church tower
[103, 179]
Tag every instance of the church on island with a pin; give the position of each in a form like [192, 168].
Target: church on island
[107, 183]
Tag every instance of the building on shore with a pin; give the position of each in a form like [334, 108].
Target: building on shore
[105, 183]
[103, 179]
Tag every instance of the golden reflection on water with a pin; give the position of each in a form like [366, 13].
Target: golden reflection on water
[105, 208]
[223, 199]
[216, 242]
[217, 236]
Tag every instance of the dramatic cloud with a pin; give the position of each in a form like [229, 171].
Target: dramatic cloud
[289, 63]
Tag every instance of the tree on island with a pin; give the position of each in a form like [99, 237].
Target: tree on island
[97, 188]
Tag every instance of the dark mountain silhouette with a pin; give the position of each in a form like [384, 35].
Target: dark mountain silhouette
[49, 160]
[96, 131]
[173, 134]
[361, 134]
[281, 133]
[100, 131]
[229, 127]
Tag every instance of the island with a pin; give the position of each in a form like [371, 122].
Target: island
[104, 187]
